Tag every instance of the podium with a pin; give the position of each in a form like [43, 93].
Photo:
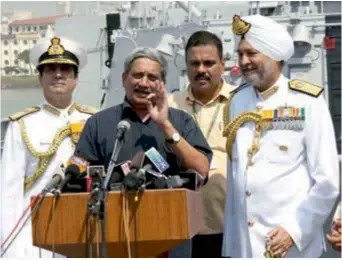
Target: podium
[158, 221]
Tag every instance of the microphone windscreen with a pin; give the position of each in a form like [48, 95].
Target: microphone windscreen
[73, 170]
[123, 124]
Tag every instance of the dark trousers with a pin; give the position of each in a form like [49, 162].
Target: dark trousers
[207, 246]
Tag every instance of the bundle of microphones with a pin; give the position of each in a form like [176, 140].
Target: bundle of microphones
[144, 171]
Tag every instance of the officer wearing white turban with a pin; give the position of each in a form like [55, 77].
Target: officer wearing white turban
[281, 186]
[39, 139]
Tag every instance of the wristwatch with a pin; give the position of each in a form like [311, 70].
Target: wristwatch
[175, 138]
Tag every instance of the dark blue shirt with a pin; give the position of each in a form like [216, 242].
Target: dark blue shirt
[97, 139]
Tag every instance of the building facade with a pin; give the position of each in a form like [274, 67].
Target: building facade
[18, 37]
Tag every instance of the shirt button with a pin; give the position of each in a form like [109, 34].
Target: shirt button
[251, 223]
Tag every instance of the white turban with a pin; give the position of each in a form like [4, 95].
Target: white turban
[267, 36]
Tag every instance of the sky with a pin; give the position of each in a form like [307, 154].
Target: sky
[44, 8]
[47, 8]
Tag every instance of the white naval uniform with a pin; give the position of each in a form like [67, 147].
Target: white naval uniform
[294, 188]
[18, 163]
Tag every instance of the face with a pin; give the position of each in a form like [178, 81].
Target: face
[58, 79]
[204, 68]
[256, 67]
[142, 79]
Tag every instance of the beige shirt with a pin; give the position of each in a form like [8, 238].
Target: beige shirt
[210, 119]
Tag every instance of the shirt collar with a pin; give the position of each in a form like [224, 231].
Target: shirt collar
[58, 111]
[223, 94]
[272, 90]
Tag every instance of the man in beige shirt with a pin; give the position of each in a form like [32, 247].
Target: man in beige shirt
[205, 100]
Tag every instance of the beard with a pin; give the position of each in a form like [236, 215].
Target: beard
[260, 76]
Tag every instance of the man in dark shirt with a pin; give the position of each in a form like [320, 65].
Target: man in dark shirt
[153, 124]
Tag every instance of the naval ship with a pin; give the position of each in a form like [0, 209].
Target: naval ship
[113, 30]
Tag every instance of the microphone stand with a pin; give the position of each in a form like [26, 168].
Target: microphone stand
[101, 190]
[96, 206]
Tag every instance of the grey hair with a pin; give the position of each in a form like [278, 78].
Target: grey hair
[150, 53]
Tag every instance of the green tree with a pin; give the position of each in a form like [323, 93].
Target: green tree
[25, 57]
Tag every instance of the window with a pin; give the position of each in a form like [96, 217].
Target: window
[34, 41]
[7, 72]
[15, 52]
[34, 28]
[43, 35]
[25, 42]
[15, 42]
[6, 52]
[16, 62]
[23, 29]
[6, 62]
[29, 28]
[6, 42]
[17, 29]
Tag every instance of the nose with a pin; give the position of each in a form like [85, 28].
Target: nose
[144, 82]
[201, 68]
[58, 72]
[243, 60]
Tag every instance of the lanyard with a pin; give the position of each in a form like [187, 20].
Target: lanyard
[194, 112]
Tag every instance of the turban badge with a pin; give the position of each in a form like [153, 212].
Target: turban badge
[240, 27]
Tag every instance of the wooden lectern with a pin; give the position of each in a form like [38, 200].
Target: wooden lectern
[158, 221]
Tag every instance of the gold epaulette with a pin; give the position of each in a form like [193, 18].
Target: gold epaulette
[226, 109]
[86, 109]
[23, 113]
[305, 87]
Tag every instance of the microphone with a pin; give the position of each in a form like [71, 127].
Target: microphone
[56, 179]
[151, 162]
[122, 128]
[77, 167]
[136, 178]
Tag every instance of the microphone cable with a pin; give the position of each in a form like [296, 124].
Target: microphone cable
[125, 212]
[18, 222]
[36, 204]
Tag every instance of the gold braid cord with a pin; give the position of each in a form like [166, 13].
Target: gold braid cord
[44, 158]
[233, 126]
[226, 110]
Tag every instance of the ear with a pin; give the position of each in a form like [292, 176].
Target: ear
[124, 77]
[222, 61]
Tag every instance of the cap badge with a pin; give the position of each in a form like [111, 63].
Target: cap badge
[56, 48]
[240, 27]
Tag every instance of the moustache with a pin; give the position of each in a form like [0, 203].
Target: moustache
[247, 69]
[142, 90]
[199, 76]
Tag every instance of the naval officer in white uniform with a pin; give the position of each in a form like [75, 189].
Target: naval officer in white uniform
[40, 138]
[282, 170]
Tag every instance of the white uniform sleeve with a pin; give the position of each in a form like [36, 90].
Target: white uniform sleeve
[337, 214]
[322, 163]
[13, 165]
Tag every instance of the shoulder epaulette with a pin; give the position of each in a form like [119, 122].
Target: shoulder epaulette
[86, 109]
[305, 87]
[18, 115]
[241, 87]
[226, 110]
